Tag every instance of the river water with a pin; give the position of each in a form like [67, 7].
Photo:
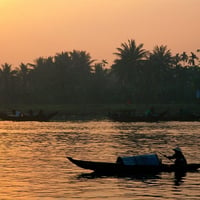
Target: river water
[33, 162]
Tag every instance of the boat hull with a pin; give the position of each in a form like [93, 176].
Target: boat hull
[42, 118]
[129, 117]
[115, 168]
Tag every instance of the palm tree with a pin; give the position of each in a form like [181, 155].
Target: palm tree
[161, 63]
[23, 81]
[130, 52]
[23, 71]
[184, 57]
[6, 69]
[161, 56]
[192, 59]
[7, 76]
[127, 68]
[130, 57]
[81, 61]
[80, 68]
[176, 60]
[6, 72]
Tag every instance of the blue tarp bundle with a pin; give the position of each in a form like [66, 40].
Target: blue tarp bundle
[147, 159]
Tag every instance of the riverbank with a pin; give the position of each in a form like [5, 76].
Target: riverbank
[99, 111]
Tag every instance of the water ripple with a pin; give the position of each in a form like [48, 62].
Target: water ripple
[34, 166]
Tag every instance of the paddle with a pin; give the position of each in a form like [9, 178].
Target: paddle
[165, 156]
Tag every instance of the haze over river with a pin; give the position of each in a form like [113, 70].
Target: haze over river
[33, 162]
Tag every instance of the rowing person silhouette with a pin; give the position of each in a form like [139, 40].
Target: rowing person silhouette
[178, 157]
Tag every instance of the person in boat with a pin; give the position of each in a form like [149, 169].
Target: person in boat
[17, 113]
[180, 160]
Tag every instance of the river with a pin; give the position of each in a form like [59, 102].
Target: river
[33, 162]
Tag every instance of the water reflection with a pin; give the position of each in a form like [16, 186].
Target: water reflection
[145, 178]
[179, 178]
[141, 177]
[34, 166]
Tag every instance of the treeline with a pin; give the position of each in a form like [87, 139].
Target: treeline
[137, 76]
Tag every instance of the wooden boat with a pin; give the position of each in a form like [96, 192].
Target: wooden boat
[41, 118]
[128, 116]
[108, 168]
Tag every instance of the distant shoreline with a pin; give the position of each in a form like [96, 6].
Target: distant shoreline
[98, 111]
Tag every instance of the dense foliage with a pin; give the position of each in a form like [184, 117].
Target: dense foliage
[137, 76]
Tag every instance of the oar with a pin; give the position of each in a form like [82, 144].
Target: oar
[162, 154]
[165, 156]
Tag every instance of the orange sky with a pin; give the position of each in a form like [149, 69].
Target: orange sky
[34, 28]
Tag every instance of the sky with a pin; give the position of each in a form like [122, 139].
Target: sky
[30, 29]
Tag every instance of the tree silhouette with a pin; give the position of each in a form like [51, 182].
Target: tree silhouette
[127, 68]
[74, 77]
[127, 65]
[23, 82]
[7, 82]
[184, 57]
[23, 73]
[161, 62]
[130, 52]
[101, 86]
[161, 56]
[192, 59]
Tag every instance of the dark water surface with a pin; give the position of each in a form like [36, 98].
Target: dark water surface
[33, 162]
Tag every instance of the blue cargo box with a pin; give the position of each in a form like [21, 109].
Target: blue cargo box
[147, 159]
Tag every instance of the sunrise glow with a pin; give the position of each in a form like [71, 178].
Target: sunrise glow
[30, 29]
